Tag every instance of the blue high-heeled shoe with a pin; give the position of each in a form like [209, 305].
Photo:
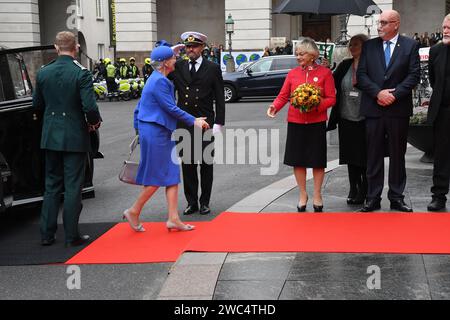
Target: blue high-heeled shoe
[138, 228]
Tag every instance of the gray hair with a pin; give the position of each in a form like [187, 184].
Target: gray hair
[308, 45]
[447, 17]
[157, 65]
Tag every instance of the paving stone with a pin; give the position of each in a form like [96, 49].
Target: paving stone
[390, 290]
[191, 280]
[248, 290]
[341, 267]
[186, 298]
[198, 258]
[257, 266]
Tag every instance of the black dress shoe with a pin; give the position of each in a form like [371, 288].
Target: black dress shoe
[48, 242]
[359, 199]
[204, 209]
[78, 242]
[370, 206]
[400, 205]
[190, 209]
[301, 208]
[437, 204]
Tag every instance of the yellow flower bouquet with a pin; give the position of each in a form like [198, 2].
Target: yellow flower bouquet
[306, 97]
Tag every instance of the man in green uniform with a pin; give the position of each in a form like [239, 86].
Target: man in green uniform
[64, 93]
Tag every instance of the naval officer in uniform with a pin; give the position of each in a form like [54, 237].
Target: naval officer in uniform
[64, 94]
[199, 84]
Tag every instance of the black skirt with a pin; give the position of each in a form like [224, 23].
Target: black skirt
[306, 145]
[352, 143]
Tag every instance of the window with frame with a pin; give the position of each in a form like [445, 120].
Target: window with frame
[261, 66]
[101, 51]
[79, 8]
[99, 8]
[18, 77]
[283, 64]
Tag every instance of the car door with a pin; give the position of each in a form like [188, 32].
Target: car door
[20, 128]
[255, 83]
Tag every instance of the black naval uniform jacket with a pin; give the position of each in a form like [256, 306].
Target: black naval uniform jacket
[196, 96]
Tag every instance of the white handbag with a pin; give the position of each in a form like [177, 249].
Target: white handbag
[129, 168]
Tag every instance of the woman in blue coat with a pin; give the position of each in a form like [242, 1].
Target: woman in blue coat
[155, 118]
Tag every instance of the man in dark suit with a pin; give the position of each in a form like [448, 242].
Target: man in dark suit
[439, 117]
[388, 71]
[64, 93]
[199, 84]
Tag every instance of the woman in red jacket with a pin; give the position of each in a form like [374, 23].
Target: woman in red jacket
[306, 145]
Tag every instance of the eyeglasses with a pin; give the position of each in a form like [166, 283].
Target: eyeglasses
[384, 23]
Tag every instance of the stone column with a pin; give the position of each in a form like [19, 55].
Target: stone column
[19, 23]
[252, 23]
[136, 27]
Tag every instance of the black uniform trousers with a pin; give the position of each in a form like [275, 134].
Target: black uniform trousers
[441, 169]
[396, 130]
[64, 172]
[190, 167]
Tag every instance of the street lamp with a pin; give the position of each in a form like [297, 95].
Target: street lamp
[368, 23]
[229, 27]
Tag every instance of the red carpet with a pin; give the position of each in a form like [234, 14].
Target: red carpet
[244, 232]
[123, 245]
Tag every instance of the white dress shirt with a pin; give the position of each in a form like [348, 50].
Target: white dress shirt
[198, 63]
[393, 44]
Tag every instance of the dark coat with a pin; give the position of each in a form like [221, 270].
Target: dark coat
[437, 65]
[196, 96]
[403, 74]
[64, 93]
[338, 75]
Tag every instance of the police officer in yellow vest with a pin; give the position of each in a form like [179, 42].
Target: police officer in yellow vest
[64, 93]
[123, 69]
[110, 76]
[133, 70]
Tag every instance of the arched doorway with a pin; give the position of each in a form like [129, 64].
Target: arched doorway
[83, 55]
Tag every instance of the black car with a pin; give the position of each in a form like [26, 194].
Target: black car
[265, 77]
[21, 159]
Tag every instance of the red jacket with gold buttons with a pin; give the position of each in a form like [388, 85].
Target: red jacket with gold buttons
[317, 75]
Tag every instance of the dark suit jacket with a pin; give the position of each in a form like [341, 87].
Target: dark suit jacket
[64, 93]
[437, 65]
[338, 75]
[402, 74]
[196, 96]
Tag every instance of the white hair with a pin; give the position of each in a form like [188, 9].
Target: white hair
[308, 45]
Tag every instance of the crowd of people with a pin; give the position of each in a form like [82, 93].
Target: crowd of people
[425, 40]
[370, 93]
[278, 51]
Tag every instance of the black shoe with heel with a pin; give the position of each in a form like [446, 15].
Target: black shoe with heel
[318, 208]
[301, 208]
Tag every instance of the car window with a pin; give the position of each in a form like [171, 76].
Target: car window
[261, 66]
[2, 94]
[16, 69]
[283, 64]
